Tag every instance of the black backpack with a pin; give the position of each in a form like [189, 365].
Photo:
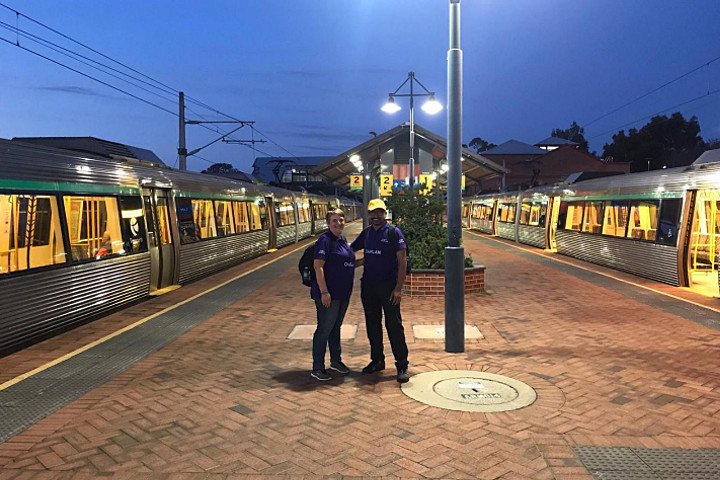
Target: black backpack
[393, 239]
[305, 265]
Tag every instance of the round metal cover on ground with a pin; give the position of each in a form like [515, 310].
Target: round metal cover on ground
[469, 391]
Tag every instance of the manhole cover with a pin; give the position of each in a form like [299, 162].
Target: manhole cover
[469, 391]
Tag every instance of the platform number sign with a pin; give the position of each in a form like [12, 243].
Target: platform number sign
[386, 184]
[356, 182]
[426, 181]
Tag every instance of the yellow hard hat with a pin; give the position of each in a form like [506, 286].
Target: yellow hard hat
[376, 203]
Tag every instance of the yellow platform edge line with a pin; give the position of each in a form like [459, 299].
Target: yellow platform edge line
[61, 359]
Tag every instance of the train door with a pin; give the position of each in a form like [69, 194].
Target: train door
[704, 242]
[272, 224]
[160, 239]
[552, 218]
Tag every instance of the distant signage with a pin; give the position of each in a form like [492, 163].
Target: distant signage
[386, 185]
[356, 182]
[426, 181]
[462, 184]
[398, 184]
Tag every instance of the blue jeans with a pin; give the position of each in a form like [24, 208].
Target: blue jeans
[329, 321]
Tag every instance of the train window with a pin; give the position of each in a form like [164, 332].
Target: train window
[615, 218]
[258, 218]
[303, 212]
[94, 227]
[574, 216]
[525, 213]
[642, 223]
[284, 214]
[320, 211]
[669, 219]
[203, 218]
[543, 214]
[242, 223]
[511, 213]
[132, 224]
[593, 217]
[535, 215]
[223, 218]
[30, 234]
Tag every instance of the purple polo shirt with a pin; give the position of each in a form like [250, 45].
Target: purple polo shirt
[339, 267]
[380, 257]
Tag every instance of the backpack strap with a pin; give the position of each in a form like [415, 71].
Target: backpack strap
[393, 237]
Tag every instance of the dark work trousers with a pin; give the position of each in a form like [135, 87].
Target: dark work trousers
[327, 333]
[376, 300]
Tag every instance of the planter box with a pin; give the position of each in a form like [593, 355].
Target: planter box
[431, 283]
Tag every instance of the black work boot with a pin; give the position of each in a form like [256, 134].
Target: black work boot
[374, 366]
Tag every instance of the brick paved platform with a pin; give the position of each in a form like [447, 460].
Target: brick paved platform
[613, 364]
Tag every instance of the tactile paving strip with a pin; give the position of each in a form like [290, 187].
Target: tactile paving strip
[27, 402]
[624, 463]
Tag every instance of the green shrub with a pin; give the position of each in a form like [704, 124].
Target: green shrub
[420, 217]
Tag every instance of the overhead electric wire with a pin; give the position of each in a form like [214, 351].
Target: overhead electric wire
[89, 76]
[72, 54]
[617, 129]
[652, 91]
[58, 49]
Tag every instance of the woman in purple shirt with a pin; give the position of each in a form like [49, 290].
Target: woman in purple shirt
[334, 274]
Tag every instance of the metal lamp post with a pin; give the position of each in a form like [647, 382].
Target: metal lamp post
[454, 252]
[432, 106]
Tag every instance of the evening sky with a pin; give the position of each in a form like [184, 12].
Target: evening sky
[313, 74]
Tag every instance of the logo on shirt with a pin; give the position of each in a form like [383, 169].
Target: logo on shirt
[384, 240]
[321, 252]
[372, 252]
[348, 264]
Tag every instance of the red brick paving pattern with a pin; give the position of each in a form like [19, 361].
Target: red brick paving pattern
[233, 398]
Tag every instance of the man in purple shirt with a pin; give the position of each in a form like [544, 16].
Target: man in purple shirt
[384, 267]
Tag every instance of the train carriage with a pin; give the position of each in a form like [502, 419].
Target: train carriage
[663, 225]
[82, 235]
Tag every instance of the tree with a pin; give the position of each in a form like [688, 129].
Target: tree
[575, 133]
[420, 217]
[480, 145]
[220, 169]
[663, 142]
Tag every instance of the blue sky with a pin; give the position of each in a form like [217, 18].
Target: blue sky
[313, 74]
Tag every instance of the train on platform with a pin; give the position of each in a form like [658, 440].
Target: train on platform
[82, 235]
[663, 224]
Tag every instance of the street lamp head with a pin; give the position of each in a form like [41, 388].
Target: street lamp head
[391, 106]
[432, 106]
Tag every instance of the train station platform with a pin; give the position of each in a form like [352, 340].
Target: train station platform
[211, 381]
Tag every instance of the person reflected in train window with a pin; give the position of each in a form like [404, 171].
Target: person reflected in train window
[385, 267]
[334, 266]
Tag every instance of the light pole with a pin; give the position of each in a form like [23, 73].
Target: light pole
[432, 107]
[454, 252]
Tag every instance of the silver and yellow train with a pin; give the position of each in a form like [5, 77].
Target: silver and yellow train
[663, 224]
[82, 235]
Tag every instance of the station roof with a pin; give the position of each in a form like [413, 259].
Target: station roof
[555, 142]
[709, 156]
[515, 147]
[97, 146]
[338, 169]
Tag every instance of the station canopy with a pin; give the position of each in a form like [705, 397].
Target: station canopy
[338, 169]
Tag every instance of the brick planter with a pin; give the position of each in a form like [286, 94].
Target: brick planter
[431, 283]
